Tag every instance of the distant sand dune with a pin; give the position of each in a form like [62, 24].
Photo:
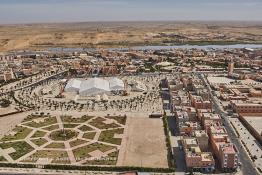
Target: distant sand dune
[116, 34]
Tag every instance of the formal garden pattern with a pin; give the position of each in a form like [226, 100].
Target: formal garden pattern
[75, 140]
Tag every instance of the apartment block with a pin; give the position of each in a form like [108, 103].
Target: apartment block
[241, 107]
[195, 158]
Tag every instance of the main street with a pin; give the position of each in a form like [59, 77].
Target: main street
[248, 167]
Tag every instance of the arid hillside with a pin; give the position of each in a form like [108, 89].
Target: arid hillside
[125, 34]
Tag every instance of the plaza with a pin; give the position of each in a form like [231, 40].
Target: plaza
[64, 140]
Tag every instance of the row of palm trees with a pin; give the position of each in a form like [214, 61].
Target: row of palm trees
[30, 98]
[133, 103]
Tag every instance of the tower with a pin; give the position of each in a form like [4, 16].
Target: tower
[230, 68]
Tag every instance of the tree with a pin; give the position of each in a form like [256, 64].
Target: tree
[4, 103]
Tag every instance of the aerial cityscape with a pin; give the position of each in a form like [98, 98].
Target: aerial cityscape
[128, 96]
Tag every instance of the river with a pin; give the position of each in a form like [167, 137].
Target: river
[233, 46]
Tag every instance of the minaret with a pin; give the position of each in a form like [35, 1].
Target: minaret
[230, 68]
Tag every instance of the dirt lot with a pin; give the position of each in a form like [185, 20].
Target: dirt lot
[125, 34]
[143, 143]
[9, 122]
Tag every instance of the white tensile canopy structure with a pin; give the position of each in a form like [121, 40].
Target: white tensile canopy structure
[73, 85]
[94, 86]
[116, 84]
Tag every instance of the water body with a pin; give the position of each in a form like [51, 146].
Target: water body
[206, 47]
[234, 46]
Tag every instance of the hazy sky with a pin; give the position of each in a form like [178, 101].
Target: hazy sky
[31, 11]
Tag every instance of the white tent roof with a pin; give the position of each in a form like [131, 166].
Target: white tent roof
[165, 63]
[116, 83]
[73, 83]
[94, 83]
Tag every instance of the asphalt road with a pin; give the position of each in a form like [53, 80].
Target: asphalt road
[248, 168]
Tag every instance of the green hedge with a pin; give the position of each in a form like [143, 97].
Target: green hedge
[101, 168]
[90, 168]
[15, 165]
[168, 142]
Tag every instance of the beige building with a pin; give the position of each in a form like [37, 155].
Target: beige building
[202, 139]
[195, 158]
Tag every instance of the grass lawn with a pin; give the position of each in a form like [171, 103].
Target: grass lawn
[51, 128]
[47, 121]
[57, 156]
[108, 136]
[21, 133]
[119, 119]
[38, 134]
[39, 141]
[70, 119]
[56, 145]
[70, 125]
[99, 123]
[111, 159]
[85, 128]
[21, 148]
[31, 117]
[77, 142]
[2, 159]
[82, 152]
[89, 135]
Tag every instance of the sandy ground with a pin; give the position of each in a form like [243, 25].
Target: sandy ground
[143, 143]
[122, 34]
[8, 109]
[9, 122]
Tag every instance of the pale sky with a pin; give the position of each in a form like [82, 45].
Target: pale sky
[45, 11]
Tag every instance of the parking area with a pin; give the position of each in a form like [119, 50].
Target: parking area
[7, 123]
[249, 141]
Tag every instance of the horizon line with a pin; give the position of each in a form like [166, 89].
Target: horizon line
[134, 21]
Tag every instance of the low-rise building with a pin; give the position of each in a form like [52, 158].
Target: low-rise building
[195, 158]
[202, 139]
[224, 150]
[241, 107]
[199, 103]
[210, 116]
[228, 156]
[187, 128]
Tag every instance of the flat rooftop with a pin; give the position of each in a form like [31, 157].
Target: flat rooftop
[219, 80]
[211, 115]
[228, 148]
[218, 130]
[255, 122]
[207, 156]
[190, 141]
